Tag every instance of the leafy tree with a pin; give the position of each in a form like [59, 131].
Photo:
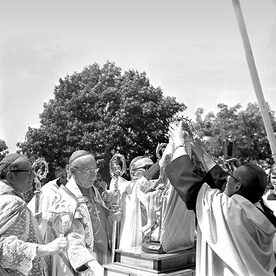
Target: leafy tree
[253, 138]
[101, 110]
[216, 129]
[245, 127]
[3, 149]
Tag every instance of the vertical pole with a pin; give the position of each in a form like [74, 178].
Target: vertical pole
[117, 167]
[115, 208]
[255, 78]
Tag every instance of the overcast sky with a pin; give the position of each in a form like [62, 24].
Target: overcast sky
[192, 49]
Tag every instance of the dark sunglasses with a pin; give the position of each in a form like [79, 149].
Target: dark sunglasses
[237, 180]
[29, 171]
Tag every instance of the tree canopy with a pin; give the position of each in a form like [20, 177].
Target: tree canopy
[101, 110]
[244, 127]
[3, 149]
[104, 111]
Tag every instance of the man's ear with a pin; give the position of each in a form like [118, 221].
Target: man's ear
[67, 169]
[238, 187]
[10, 177]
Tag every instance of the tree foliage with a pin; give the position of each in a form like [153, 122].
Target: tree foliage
[3, 149]
[245, 127]
[101, 110]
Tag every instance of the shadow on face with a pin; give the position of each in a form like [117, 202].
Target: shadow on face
[85, 171]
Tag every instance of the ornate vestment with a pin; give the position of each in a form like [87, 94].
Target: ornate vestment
[19, 237]
[47, 197]
[84, 220]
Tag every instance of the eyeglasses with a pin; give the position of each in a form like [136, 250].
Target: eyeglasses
[143, 169]
[237, 180]
[88, 171]
[134, 172]
[30, 171]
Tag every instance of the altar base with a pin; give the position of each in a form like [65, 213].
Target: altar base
[135, 262]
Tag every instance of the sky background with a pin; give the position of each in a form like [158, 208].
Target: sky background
[191, 49]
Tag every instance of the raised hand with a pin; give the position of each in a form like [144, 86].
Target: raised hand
[166, 156]
[177, 134]
[197, 147]
[206, 160]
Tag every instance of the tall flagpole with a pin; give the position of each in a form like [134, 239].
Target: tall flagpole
[255, 78]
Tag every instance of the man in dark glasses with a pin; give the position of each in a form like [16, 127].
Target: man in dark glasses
[139, 166]
[22, 249]
[235, 230]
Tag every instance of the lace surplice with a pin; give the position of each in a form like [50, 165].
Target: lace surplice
[19, 237]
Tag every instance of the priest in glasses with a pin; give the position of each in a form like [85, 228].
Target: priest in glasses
[21, 245]
[79, 213]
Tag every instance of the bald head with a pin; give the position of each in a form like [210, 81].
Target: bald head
[83, 166]
[12, 162]
[138, 166]
[140, 162]
[80, 157]
[16, 171]
[78, 154]
[84, 161]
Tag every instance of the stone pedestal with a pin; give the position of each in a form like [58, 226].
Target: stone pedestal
[135, 262]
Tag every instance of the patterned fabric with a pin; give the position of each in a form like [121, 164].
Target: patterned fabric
[102, 228]
[81, 219]
[19, 236]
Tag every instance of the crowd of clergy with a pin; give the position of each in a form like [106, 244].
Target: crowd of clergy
[74, 226]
